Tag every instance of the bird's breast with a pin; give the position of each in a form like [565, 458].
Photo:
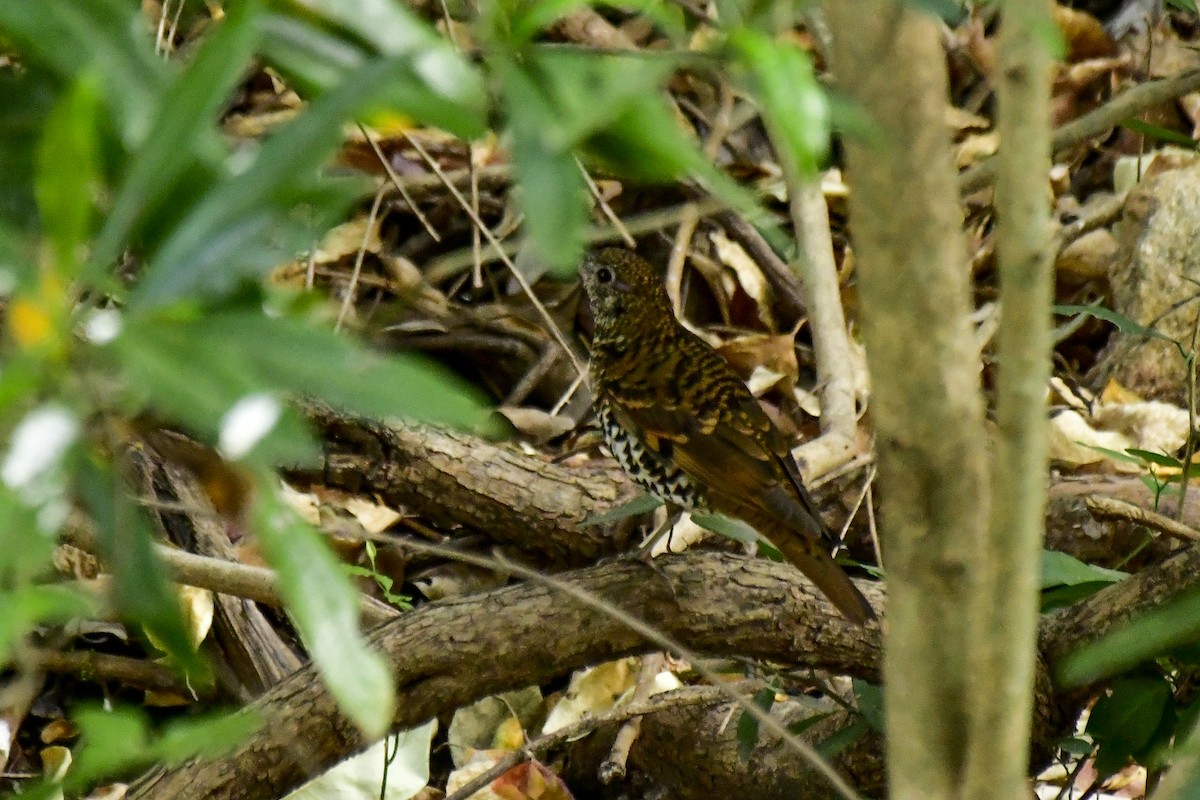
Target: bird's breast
[650, 470]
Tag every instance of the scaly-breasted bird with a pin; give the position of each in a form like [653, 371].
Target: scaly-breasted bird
[684, 426]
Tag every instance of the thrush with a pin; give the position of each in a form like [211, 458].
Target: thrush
[681, 422]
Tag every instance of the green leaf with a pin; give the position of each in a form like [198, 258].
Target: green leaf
[322, 42]
[384, 582]
[24, 608]
[208, 736]
[1185, 724]
[1059, 569]
[1157, 131]
[1064, 596]
[117, 740]
[1161, 459]
[951, 12]
[111, 742]
[324, 606]
[1155, 754]
[68, 173]
[839, 740]
[1124, 720]
[574, 95]
[244, 211]
[1123, 323]
[26, 98]
[1118, 455]
[523, 21]
[793, 103]
[1073, 745]
[28, 551]
[869, 699]
[730, 528]
[1156, 632]
[1184, 5]
[800, 726]
[104, 37]
[197, 368]
[183, 126]
[555, 101]
[554, 200]
[610, 111]
[393, 30]
[638, 505]
[747, 726]
[141, 590]
[312, 59]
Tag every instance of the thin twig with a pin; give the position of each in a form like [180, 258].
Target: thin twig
[495, 243]
[612, 769]
[679, 250]
[99, 667]
[871, 522]
[456, 261]
[232, 578]
[605, 208]
[1109, 508]
[170, 42]
[569, 393]
[1123, 106]
[1190, 449]
[476, 239]
[1090, 219]
[862, 496]
[161, 32]
[348, 298]
[399, 184]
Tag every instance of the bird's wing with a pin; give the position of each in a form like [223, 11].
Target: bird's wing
[737, 453]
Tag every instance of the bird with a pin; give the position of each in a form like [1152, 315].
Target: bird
[684, 426]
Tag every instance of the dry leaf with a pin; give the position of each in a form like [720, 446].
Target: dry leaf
[374, 517]
[535, 423]
[593, 690]
[480, 761]
[1083, 34]
[976, 148]
[530, 781]
[750, 277]
[59, 730]
[1072, 440]
[306, 504]
[347, 239]
[776, 352]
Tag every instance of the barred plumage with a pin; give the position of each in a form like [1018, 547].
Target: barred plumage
[684, 426]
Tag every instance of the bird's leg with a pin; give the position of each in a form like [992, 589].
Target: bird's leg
[646, 550]
[667, 528]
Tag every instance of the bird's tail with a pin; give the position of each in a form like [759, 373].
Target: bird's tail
[818, 566]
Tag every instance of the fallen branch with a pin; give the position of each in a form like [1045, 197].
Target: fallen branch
[715, 604]
[1125, 105]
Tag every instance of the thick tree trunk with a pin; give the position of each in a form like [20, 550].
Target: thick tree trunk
[926, 400]
[1006, 601]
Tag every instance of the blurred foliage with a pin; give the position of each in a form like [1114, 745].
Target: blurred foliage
[134, 238]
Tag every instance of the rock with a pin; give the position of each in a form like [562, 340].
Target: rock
[1157, 272]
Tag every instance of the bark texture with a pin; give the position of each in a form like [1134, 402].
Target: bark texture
[926, 402]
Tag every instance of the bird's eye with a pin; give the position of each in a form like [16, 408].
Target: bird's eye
[604, 275]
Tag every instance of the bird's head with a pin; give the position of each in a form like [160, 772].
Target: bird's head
[623, 290]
